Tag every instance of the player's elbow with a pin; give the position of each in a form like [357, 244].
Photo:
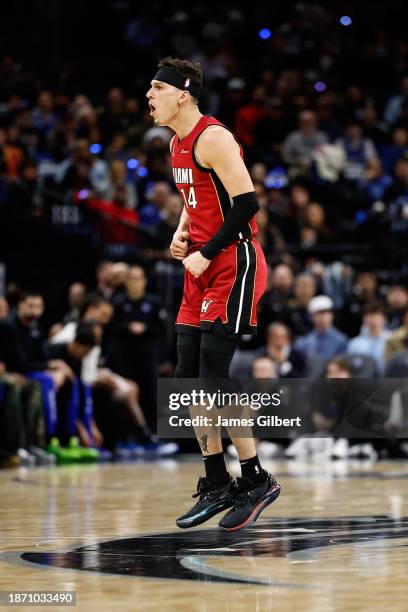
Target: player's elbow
[249, 200]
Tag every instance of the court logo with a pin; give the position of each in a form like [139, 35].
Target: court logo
[177, 555]
[205, 306]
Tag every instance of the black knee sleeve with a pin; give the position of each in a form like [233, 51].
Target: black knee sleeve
[188, 353]
[214, 364]
[216, 354]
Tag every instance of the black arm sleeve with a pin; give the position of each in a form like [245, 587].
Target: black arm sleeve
[245, 206]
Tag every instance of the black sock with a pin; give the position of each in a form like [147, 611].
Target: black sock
[215, 469]
[251, 468]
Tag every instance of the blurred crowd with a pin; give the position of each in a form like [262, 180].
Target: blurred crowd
[322, 113]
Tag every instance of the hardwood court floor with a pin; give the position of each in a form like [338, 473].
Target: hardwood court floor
[336, 539]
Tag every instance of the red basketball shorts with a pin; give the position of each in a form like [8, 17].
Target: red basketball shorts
[229, 290]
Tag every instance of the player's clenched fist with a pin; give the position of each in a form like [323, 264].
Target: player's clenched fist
[179, 246]
[196, 264]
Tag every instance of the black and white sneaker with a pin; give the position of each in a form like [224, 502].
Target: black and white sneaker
[213, 499]
[250, 500]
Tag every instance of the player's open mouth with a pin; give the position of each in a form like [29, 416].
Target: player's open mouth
[152, 108]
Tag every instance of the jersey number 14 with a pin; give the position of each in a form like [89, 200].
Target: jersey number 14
[190, 200]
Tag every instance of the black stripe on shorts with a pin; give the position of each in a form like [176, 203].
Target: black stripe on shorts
[240, 299]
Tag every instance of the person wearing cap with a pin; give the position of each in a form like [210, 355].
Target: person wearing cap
[324, 340]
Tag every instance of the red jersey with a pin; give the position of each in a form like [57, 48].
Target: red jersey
[204, 196]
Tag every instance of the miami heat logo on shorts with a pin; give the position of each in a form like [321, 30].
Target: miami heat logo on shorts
[205, 305]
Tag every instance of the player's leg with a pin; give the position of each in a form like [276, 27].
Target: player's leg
[188, 355]
[235, 301]
[216, 353]
[188, 366]
[216, 491]
[257, 487]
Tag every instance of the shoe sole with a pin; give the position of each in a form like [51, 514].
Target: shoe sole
[271, 496]
[200, 520]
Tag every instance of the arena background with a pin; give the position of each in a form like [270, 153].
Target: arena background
[85, 176]
[317, 93]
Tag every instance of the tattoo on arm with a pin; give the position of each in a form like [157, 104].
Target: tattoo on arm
[203, 442]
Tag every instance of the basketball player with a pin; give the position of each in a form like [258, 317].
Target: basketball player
[225, 276]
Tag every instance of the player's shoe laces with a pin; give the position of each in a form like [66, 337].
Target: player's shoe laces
[213, 498]
[250, 500]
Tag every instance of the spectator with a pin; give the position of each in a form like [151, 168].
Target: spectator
[76, 296]
[248, 116]
[92, 309]
[22, 349]
[326, 115]
[117, 150]
[359, 151]
[269, 237]
[264, 367]
[74, 351]
[304, 290]
[288, 361]
[150, 213]
[298, 146]
[157, 138]
[120, 190]
[338, 367]
[137, 329]
[258, 173]
[363, 291]
[390, 153]
[315, 229]
[159, 240]
[96, 309]
[113, 119]
[274, 305]
[104, 279]
[374, 181]
[396, 304]
[373, 128]
[232, 101]
[335, 279]
[119, 276]
[83, 171]
[44, 118]
[394, 105]
[23, 341]
[344, 414]
[400, 186]
[271, 130]
[325, 341]
[325, 419]
[373, 336]
[291, 220]
[398, 339]
[395, 197]
[328, 404]
[282, 281]
[80, 409]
